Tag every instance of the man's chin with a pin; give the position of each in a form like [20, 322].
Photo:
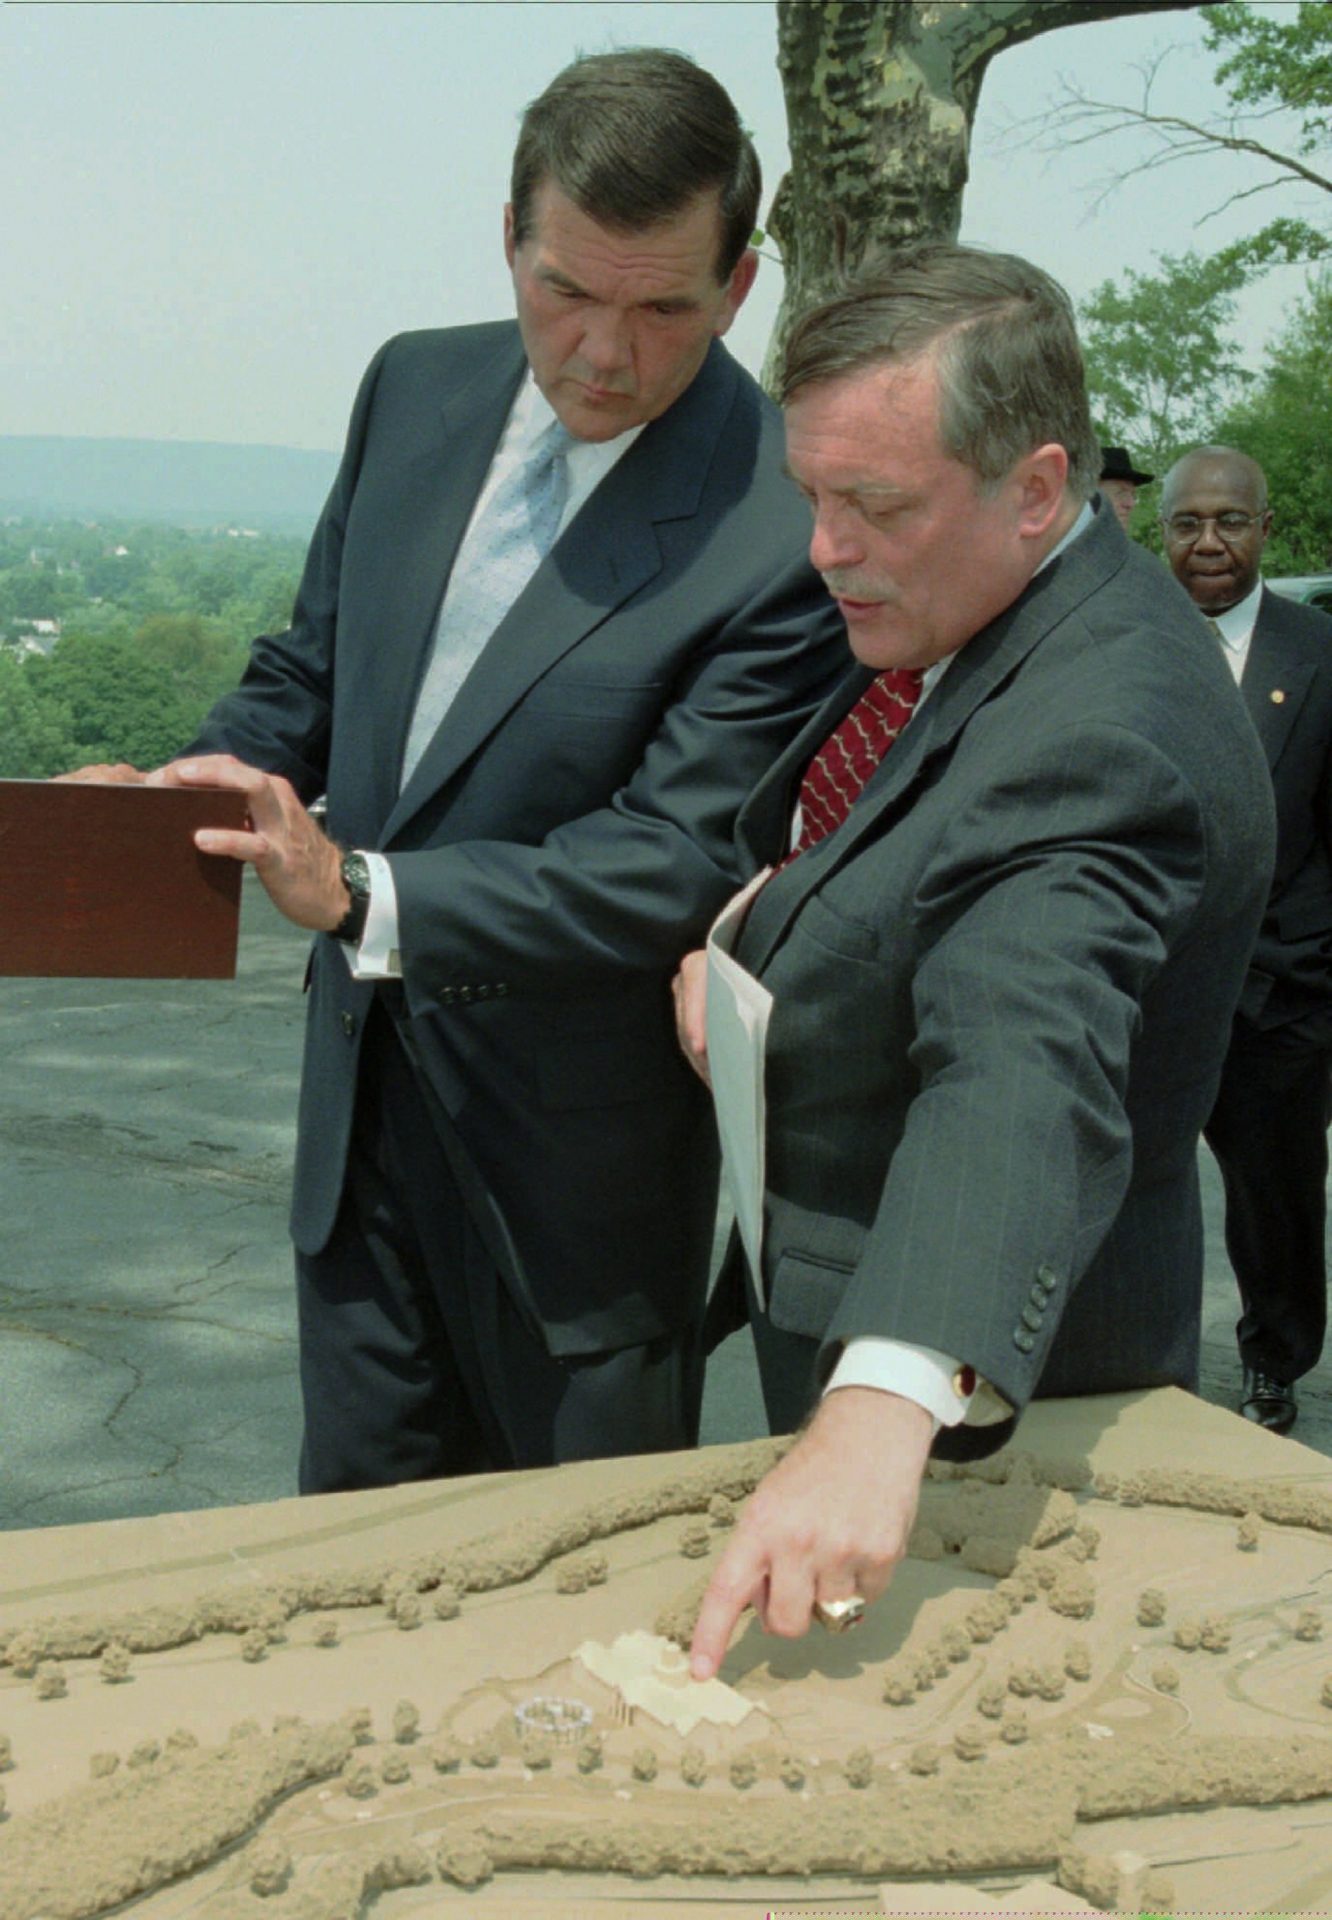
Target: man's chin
[1214, 597]
[591, 415]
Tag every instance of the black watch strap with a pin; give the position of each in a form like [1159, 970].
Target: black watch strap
[355, 871]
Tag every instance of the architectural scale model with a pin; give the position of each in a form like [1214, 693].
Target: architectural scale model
[1085, 1690]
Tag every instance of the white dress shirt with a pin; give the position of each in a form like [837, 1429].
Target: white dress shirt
[1235, 626]
[377, 957]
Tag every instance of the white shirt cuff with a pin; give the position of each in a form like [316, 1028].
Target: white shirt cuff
[377, 957]
[922, 1374]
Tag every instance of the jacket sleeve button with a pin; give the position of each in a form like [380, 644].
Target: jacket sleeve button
[349, 1024]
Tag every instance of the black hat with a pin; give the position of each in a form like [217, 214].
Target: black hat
[1116, 465]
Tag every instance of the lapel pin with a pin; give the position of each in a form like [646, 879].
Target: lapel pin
[1277, 696]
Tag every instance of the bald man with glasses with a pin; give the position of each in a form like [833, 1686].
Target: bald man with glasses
[1268, 1129]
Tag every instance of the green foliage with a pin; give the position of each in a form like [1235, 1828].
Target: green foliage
[1285, 423]
[1276, 61]
[155, 623]
[35, 734]
[1160, 355]
[1271, 64]
[119, 704]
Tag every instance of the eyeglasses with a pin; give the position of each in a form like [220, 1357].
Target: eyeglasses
[1185, 528]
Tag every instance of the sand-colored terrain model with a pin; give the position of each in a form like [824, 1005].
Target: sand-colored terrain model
[1100, 1681]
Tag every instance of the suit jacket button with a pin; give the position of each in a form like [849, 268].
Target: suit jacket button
[349, 1024]
[1032, 1317]
[465, 995]
[501, 988]
[483, 991]
[448, 995]
[1048, 1278]
[1024, 1342]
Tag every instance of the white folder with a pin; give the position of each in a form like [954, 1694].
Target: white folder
[738, 1008]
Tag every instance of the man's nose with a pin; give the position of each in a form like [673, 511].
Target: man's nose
[1209, 540]
[607, 343]
[832, 543]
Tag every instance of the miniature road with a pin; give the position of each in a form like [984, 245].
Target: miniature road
[147, 1333]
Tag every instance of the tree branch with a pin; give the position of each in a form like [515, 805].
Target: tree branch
[1079, 104]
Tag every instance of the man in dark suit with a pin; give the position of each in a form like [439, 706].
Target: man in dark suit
[1268, 1128]
[555, 621]
[1003, 975]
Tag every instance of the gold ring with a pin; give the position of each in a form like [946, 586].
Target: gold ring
[839, 1616]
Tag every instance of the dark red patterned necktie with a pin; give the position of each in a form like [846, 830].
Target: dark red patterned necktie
[834, 777]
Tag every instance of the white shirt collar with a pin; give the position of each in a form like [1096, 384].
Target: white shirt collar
[1236, 624]
[588, 461]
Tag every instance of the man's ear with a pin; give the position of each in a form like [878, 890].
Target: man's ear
[737, 290]
[509, 247]
[1042, 477]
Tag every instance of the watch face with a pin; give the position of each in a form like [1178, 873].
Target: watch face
[355, 871]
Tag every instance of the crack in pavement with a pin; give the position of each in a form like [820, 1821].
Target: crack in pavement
[86, 1138]
[166, 1315]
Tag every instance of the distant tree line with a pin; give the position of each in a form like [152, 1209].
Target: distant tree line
[154, 622]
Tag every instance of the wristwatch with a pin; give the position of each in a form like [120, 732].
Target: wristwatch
[355, 872]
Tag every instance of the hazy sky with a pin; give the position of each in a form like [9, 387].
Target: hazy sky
[213, 214]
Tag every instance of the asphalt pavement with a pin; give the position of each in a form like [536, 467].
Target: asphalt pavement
[147, 1329]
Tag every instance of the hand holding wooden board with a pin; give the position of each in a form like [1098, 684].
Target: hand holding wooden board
[104, 881]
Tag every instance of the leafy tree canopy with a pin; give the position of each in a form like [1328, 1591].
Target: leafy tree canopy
[1285, 422]
[1161, 356]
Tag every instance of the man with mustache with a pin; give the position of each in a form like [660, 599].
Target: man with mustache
[1268, 1128]
[1017, 874]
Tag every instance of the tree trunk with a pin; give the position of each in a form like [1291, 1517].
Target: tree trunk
[880, 99]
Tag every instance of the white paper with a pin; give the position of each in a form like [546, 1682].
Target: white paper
[738, 1008]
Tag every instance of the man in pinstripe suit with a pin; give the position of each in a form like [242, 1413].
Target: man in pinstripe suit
[1002, 986]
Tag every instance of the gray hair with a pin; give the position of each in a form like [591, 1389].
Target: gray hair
[1004, 342]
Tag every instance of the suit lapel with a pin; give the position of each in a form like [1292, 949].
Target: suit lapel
[764, 822]
[431, 507]
[977, 673]
[606, 554]
[1276, 678]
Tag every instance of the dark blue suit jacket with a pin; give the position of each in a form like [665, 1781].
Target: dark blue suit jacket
[1287, 687]
[569, 832]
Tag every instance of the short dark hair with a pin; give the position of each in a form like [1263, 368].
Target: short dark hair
[1006, 345]
[634, 138]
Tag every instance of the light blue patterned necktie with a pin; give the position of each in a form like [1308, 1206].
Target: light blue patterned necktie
[501, 552]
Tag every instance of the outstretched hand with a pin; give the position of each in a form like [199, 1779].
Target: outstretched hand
[831, 1520]
[297, 862]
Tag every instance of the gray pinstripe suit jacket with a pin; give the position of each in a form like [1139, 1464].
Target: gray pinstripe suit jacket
[1003, 991]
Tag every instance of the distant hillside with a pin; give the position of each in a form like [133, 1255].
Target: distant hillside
[189, 483]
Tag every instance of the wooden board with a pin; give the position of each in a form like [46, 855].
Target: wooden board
[105, 881]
